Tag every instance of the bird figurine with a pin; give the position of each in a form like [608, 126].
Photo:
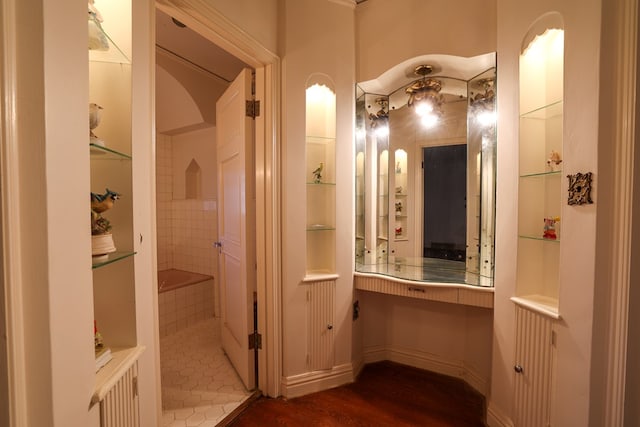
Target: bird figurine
[95, 114]
[317, 173]
[103, 202]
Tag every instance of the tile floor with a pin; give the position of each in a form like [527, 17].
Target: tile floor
[199, 385]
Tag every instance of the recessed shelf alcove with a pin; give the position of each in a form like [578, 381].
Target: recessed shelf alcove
[193, 180]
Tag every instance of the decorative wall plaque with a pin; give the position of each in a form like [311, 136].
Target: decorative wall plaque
[580, 188]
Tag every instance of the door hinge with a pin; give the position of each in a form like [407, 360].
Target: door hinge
[253, 108]
[255, 341]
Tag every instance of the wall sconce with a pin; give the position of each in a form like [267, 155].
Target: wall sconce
[380, 119]
[424, 96]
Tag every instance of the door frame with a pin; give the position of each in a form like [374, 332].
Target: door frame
[214, 26]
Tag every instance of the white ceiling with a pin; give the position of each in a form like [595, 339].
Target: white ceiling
[195, 49]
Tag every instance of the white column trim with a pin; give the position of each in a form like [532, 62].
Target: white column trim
[620, 261]
[11, 224]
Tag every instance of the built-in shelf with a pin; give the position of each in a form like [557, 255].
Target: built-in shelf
[542, 239]
[544, 112]
[99, 152]
[103, 260]
[542, 174]
[540, 304]
[319, 277]
[114, 54]
[320, 228]
[320, 178]
[109, 374]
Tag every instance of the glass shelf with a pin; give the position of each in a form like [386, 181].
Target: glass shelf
[542, 239]
[114, 54]
[311, 139]
[541, 174]
[101, 261]
[553, 109]
[320, 227]
[322, 183]
[104, 153]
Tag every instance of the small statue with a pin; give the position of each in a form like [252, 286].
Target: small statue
[554, 160]
[99, 204]
[399, 207]
[95, 114]
[549, 231]
[317, 173]
[103, 202]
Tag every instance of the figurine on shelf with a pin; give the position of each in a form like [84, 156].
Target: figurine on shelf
[95, 114]
[398, 207]
[550, 228]
[97, 38]
[317, 173]
[554, 160]
[398, 167]
[101, 238]
[398, 231]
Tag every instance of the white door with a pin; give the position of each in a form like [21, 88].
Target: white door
[236, 225]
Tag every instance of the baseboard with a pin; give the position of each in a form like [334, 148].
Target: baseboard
[310, 382]
[429, 362]
[496, 418]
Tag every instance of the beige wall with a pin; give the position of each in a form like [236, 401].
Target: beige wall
[576, 304]
[259, 18]
[390, 32]
[310, 47]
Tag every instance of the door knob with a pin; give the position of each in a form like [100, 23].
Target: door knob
[218, 245]
[518, 369]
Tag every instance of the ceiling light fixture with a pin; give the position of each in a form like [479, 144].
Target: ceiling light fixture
[424, 96]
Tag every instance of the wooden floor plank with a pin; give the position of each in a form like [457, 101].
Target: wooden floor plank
[384, 394]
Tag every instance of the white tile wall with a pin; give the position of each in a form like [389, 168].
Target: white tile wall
[186, 228]
[182, 307]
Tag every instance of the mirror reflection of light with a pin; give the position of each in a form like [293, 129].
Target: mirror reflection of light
[382, 131]
[423, 108]
[429, 120]
[486, 118]
[360, 133]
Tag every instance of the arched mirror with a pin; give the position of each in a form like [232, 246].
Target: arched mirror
[425, 170]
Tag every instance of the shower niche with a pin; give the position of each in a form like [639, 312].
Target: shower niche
[193, 181]
[425, 171]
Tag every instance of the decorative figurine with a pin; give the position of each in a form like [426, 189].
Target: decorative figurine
[95, 114]
[398, 231]
[398, 167]
[398, 207]
[317, 174]
[103, 202]
[550, 228]
[554, 160]
[97, 38]
[101, 238]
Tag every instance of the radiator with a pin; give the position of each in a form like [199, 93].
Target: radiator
[534, 368]
[320, 300]
[119, 408]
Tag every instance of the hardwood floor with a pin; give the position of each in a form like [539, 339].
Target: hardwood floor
[384, 394]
